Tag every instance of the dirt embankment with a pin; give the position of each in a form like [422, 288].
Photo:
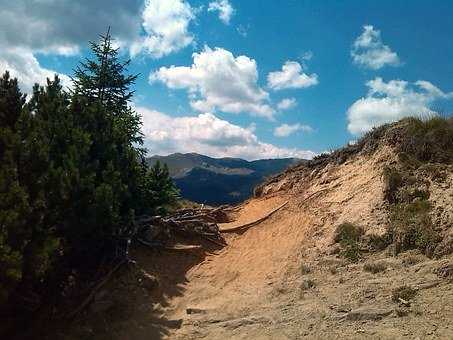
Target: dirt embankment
[286, 277]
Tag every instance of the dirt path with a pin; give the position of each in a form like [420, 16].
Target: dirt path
[234, 289]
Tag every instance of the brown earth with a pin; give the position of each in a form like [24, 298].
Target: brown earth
[284, 279]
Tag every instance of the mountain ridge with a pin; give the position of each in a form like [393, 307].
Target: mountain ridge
[215, 181]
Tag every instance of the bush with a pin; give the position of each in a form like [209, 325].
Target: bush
[378, 242]
[348, 232]
[411, 227]
[393, 180]
[348, 235]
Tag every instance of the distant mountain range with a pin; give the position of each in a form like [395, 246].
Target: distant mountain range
[216, 181]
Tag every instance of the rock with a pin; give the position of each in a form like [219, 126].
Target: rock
[366, 313]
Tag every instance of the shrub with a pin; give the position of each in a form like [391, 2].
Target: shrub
[403, 292]
[348, 231]
[378, 242]
[393, 180]
[411, 227]
[348, 235]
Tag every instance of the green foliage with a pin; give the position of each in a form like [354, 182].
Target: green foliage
[72, 174]
[159, 188]
[348, 235]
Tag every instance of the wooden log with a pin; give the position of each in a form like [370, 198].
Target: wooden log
[251, 224]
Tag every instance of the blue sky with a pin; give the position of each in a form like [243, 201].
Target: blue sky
[251, 79]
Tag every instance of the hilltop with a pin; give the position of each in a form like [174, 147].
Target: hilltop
[216, 181]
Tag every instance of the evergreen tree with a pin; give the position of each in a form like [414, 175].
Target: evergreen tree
[73, 176]
[160, 189]
[13, 197]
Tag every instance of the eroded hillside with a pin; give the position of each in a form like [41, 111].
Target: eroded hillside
[361, 249]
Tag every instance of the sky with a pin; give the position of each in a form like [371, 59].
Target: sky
[251, 79]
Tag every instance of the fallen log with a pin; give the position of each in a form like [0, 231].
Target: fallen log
[251, 224]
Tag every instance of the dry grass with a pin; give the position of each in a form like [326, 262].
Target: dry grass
[375, 267]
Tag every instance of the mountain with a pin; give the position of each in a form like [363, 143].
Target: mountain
[216, 181]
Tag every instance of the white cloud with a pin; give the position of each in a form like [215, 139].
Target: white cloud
[224, 8]
[287, 103]
[387, 102]
[22, 64]
[166, 24]
[369, 51]
[209, 135]
[291, 77]
[285, 130]
[217, 79]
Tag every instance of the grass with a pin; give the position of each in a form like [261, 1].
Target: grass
[375, 267]
[428, 140]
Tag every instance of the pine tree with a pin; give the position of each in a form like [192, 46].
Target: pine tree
[13, 197]
[100, 101]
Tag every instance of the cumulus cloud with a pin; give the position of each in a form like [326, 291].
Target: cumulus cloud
[60, 27]
[218, 80]
[291, 77]
[166, 26]
[209, 135]
[387, 102]
[369, 51]
[22, 64]
[285, 130]
[287, 103]
[224, 8]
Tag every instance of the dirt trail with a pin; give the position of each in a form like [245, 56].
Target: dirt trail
[235, 287]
